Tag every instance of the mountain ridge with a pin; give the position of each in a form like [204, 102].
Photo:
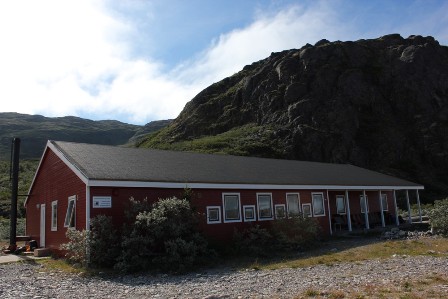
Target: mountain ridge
[380, 104]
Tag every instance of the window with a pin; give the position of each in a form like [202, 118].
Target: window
[54, 215]
[363, 203]
[70, 217]
[318, 204]
[384, 201]
[213, 214]
[293, 203]
[280, 211]
[340, 204]
[306, 208]
[231, 203]
[265, 206]
[249, 213]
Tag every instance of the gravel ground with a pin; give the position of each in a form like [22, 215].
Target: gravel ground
[28, 280]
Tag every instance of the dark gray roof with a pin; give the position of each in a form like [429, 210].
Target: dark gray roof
[101, 162]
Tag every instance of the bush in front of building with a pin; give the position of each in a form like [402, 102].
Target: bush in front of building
[163, 238]
[104, 242]
[77, 246]
[285, 234]
[438, 217]
[254, 240]
[295, 232]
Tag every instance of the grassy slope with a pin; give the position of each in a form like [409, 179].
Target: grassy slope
[35, 130]
[26, 174]
[246, 140]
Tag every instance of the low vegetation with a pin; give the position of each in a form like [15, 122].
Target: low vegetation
[337, 251]
[27, 168]
[439, 217]
[163, 237]
[285, 235]
[247, 140]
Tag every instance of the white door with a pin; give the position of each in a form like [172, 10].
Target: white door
[42, 226]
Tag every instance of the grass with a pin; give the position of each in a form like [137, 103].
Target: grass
[375, 250]
[246, 140]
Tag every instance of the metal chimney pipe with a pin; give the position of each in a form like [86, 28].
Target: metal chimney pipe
[14, 192]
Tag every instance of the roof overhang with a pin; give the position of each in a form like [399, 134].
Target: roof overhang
[174, 185]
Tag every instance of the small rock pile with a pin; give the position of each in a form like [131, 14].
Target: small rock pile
[396, 233]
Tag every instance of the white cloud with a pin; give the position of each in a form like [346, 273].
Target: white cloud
[78, 57]
[291, 27]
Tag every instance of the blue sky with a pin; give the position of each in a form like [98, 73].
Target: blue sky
[137, 61]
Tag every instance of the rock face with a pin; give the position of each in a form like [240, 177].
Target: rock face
[380, 104]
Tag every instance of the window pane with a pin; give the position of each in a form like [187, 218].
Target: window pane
[340, 204]
[293, 203]
[54, 215]
[264, 206]
[213, 215]
[232, 207]
[70, 216]
[249, 213]
[318, 204]
[280, 211]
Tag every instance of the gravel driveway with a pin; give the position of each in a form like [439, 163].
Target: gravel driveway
[27, 280]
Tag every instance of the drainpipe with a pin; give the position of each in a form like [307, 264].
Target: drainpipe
[15, 152]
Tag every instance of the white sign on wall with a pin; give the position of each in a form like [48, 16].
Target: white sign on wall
[102, 202]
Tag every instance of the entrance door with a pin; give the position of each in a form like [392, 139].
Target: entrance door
[42, 226]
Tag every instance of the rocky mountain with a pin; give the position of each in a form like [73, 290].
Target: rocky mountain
[379, 103]
[35, 130]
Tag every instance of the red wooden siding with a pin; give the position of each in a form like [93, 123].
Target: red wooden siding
[54, 181]
[201, 199]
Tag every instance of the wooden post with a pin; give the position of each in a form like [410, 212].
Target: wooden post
[383, 223]
[409, 207]
[366, 216]
[397, 220]
[419, 208]
[349, 217]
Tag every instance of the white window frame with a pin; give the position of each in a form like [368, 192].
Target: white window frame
[337, 205]
[209, 208]
[366, 203]
[281, 206]
[54, 215]
[224, 207]
[308, 207]
[298, 203]
[384, 201]
[258, 207]
[323, 203]
[72, 213]
[249, 207]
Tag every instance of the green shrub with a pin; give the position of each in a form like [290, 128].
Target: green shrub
[104, 242]
[254, 240]
[163, 238]
[5, 228]
[295, 232]
[77, 246]
[438, 216]
[292, 233]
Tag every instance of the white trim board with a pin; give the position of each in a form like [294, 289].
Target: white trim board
[140, 184]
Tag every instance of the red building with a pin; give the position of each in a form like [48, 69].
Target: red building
[75, 182]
